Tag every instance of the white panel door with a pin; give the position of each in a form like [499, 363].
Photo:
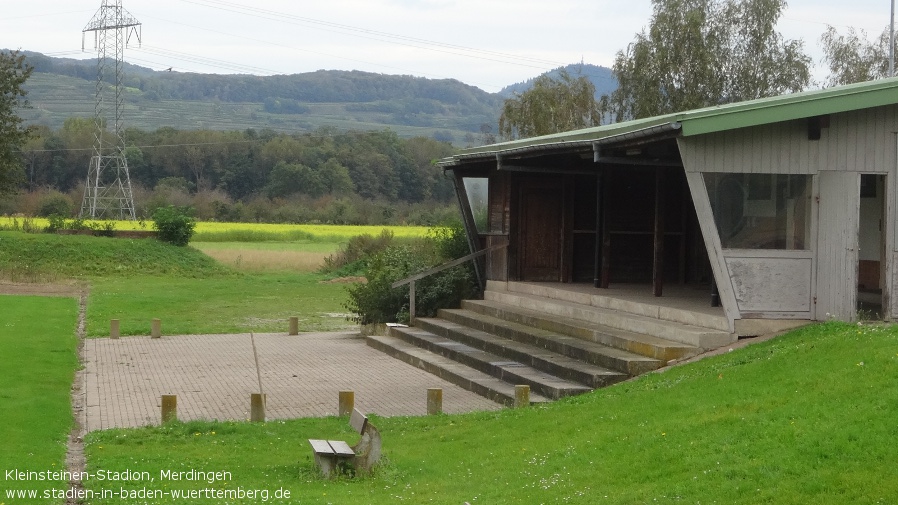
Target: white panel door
[837, 245]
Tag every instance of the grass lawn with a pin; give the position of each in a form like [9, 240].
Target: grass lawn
[217, 304]
[805, 418]
[37, 338]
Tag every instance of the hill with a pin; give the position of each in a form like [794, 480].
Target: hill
[601, 77]
[445, 109]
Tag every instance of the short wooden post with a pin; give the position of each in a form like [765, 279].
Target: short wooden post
[294, 325]
[257, 407]
[156, 329]
[347, 403]
[521, 396]
[114, 329]
[434, 401]
[169, 408]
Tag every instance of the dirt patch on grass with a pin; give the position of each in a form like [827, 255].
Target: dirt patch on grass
[41, 289]
[345, 280]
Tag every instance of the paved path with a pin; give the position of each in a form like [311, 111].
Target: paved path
[213, 376]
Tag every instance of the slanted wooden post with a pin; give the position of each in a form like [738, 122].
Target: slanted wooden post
[434, 401]
[169, 408]
[521, 396]
[257, 407]
[114, 332]
[294, 325]
[347, 403]
[156, 329]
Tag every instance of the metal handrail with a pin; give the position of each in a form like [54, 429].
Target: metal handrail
[437, 269]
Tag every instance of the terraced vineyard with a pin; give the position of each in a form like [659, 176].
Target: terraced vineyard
[55, 98]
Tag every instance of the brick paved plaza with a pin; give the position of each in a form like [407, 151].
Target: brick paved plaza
[214, 375]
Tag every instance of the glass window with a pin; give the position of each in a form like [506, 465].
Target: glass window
[477, 189]
[761, 211]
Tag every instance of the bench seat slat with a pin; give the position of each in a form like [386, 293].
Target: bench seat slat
[341, 448]
[321, 446]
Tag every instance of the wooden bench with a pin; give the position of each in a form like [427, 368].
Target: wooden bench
[331, 455]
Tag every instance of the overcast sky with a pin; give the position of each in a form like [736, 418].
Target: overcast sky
[485, 43]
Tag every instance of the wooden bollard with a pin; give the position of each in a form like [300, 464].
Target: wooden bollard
[169, 408]
[347, 403]
[434, 401]
[257, 407]
[294, 325]
[114, 329]
[156, 329]
[521, 396]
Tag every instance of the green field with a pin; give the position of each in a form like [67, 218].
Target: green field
[805, 418]
[38, 362]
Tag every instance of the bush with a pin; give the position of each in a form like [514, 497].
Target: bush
[55, 203]
[356, 251]
[174, 224]
[376, 302]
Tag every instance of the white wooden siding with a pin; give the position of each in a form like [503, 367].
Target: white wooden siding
[857, 141]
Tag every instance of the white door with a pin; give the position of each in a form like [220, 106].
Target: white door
[838, 206]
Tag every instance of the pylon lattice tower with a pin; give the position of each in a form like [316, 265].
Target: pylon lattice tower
[107, 193]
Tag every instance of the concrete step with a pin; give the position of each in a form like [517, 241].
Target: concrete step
[500, 367]
[518, 340]
[640, 344]
[452, 371]
[547, 360]
[601, 298]
[704, 338]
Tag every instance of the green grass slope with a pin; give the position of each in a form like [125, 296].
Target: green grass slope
[37, 364]
[53, 257]
[805, 418]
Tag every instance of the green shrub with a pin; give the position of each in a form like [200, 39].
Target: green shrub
[55, 203]
[376, 302]
[174, 224]
[357, 249]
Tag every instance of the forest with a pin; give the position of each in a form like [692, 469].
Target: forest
[350, 177]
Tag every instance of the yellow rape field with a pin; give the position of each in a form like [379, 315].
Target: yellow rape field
[248, 232]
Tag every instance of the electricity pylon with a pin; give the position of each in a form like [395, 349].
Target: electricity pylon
[107, 193]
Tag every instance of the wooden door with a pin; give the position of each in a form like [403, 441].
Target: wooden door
[541, 231]
[837, 245]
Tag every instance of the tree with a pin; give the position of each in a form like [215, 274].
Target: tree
[852, 58]
[550, 106]
[13, 74]
[699, 53]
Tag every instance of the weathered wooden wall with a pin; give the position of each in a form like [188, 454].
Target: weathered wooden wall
[854, 142]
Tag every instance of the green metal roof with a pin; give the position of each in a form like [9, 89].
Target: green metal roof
[714, 119]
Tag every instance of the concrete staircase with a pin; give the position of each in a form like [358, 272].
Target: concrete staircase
[558, 341]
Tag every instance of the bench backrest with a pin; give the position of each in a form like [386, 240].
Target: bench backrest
[358, 421]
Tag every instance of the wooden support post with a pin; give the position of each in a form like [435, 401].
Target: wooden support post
[257, 407]
[434, 401]
[521, 396]
[294, 325]
[156, 329]
[169, 408]
[411, 303]
[606, 235]
[114, 332]
[658, 263]
[597, 274]
[347, 403]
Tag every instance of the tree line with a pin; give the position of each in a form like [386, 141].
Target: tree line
[234, 168]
